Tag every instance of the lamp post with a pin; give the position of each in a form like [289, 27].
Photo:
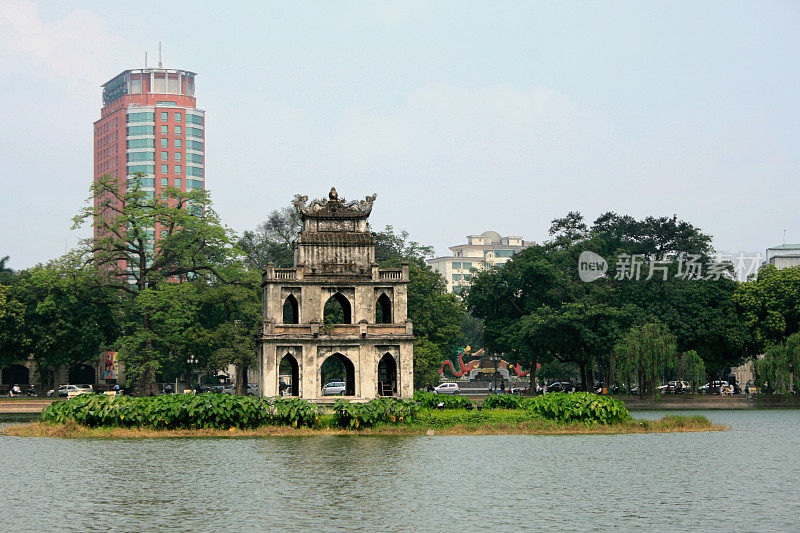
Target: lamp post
[191, 361]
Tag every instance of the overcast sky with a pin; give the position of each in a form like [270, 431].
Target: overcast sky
[461, 116]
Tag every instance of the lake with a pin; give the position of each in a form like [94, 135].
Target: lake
[742, 479]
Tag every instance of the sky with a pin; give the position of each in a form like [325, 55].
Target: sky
[462, 116]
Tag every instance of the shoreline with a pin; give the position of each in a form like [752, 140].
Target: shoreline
[668, 424]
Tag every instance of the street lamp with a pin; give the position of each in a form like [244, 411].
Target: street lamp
[191, 361]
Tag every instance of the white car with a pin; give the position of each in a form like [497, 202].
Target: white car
[64, 390]
[334, 388]
[447, 388]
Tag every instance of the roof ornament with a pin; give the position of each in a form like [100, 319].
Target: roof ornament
[333, 204]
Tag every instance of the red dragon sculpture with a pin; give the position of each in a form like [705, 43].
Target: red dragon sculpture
[465, 368]
[518, 370]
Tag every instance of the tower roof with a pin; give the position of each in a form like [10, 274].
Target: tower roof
[333, 207]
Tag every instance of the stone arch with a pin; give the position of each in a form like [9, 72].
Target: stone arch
[16, 375]
[291, 310]
[383, 309]
[346, 372]
[337, 310]
[288, 364]
[387, 375]
[81, 375]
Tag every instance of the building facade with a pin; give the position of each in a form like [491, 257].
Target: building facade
[150, 132]
[335, 308]
[784, 256]
[481, 251]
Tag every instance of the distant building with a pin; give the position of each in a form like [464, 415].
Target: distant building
[784, 256]
[481, 251]
[151, 131]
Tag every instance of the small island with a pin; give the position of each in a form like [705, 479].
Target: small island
[214, 415]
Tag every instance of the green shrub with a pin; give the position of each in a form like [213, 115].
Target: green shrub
[377, 411]
[182, 411]
[578, 407]
[504, 401]
[432, 400]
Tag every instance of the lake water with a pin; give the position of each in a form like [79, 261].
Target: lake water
[745, 479]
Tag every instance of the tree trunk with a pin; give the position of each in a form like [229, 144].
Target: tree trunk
[532, 375]
[241, 379]
[582, 366]
[611, 379]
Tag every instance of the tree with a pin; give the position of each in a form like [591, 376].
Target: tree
[272, 240]
[647, 352]
[58, 313]
[692, 368]
[191, 243]
[780, 367]
[770, 305]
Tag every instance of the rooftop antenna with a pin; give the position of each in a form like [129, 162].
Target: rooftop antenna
[159, 54]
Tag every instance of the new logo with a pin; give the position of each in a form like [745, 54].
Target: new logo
[591, 266]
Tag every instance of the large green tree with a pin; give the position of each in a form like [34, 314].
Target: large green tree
[770, 305]
[192, 243]
[646, 351]
[58, 313]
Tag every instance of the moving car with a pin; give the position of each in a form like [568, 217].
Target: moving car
[334, 388]
[715, 387]
[561, 386]
[447, 388]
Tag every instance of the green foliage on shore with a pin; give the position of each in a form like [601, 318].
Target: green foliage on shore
[432, 400]
[377, 411]
[201, 411]
[582, 407]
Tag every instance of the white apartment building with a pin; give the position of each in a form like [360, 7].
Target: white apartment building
[481, 251]
[784, 256]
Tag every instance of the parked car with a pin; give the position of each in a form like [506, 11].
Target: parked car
[715, 387]
[334, 388]
[561, 386]
[447, 388]
[252, 389]
[676, 387]
[64, 390]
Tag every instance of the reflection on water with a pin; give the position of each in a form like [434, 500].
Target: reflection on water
[744, 478]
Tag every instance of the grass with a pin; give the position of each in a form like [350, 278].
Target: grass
[442, 422]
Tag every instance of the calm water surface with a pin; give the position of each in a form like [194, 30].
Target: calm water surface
[745, 479]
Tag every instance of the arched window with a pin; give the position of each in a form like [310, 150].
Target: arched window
[337, 310]
[16, 375]
[289, 376]
[338, 369]
[383, 310]
[387, 376]
[291, 311]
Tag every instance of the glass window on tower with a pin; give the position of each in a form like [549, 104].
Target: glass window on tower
[165, 156]
[164, 130]
[178, 169]
[177, 182]
[177, 156]
[164, 182]
[164, 169]
[164, 116]
[177, 130]
[164, 142]
[177, 143]
[177, 117]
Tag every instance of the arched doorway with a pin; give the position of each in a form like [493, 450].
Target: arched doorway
[383, 310]
[16, 375]
[81, 375]
[387, 376]
[291, 311]
[337, 367]
[337, 310]
[289, 376]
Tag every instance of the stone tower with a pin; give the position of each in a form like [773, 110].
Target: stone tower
[366, 329]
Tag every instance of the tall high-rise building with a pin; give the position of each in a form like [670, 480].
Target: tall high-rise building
[150, 124]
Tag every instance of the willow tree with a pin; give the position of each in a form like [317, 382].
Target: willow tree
[145, 242]
[646, 352]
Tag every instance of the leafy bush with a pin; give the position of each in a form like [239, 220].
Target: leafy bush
[578, 407]
[431, 400]
[504, 401]
[377, 411]
[217, 411]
